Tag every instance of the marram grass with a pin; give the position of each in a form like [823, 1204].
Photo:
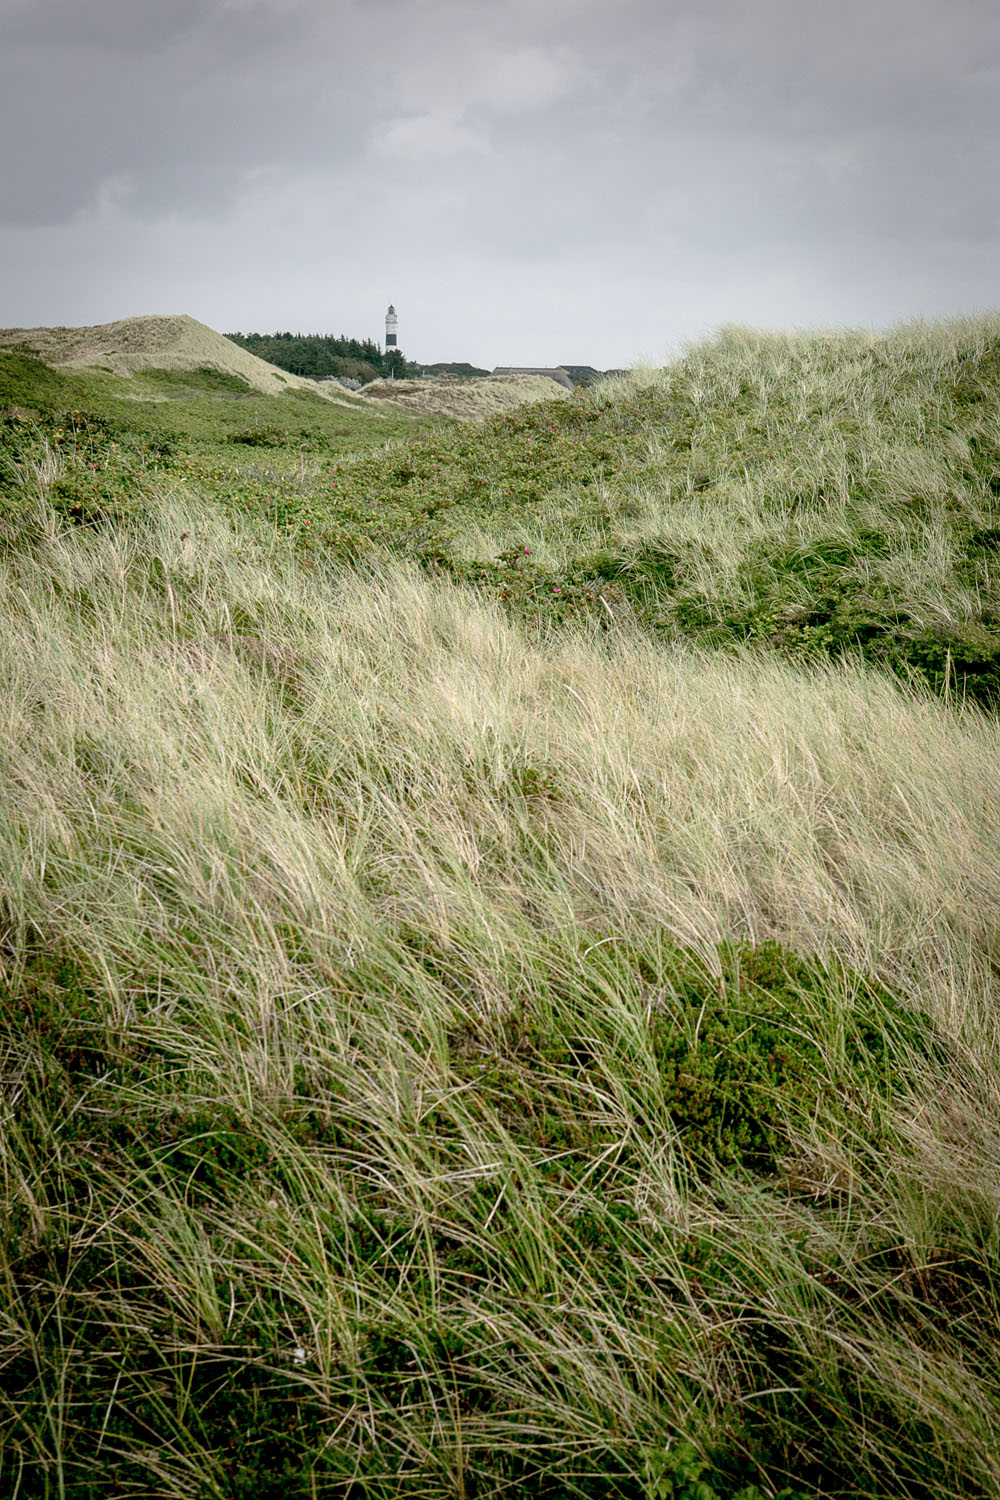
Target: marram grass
[445, 1059]
[462, 1032]
[821, 495]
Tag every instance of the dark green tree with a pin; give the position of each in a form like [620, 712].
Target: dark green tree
[320, 355]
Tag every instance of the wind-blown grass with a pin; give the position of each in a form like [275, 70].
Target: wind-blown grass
[447, 1057]
[818, 494]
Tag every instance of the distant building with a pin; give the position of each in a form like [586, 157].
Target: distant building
[580, 372]
[556, 373]
[390, 329]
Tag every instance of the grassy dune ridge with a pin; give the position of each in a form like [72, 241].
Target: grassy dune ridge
[826, 494]
[160, 343]
[456, 1043]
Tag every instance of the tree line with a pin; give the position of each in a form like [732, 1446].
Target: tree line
[319, 355]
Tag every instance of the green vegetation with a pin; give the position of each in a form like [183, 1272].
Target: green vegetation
[461, 369]
[99, 442]
[816, 495]
[318, 355]
[482, 1011]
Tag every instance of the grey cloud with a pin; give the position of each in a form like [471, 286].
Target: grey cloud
[189, 109]
[148, 26]
[187, 96]
[110, 25]
[668, 138]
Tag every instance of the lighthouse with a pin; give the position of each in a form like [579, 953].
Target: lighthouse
[390, 329]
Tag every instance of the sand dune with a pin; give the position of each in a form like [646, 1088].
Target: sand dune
[159, 342]
[165, 342]
[470, 400]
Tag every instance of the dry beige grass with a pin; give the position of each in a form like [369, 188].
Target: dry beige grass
[342, 858]
[383, 1104]
[164, 342]
[160, 342]
[716, 797]
[470, 400]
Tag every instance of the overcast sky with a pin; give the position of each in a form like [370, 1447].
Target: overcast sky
[529, 181]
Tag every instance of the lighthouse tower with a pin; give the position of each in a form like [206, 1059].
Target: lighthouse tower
[390, 329]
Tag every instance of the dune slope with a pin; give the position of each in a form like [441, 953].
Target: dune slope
[160, 342]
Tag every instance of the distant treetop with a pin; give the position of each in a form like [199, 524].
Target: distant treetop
[318, 356]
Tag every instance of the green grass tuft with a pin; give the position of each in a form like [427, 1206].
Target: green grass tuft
[498, 961]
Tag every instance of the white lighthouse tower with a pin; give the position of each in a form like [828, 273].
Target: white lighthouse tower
[390, 329]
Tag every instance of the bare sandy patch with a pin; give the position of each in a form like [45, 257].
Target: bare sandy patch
[470, 400]
[167, 342]
[160, 342]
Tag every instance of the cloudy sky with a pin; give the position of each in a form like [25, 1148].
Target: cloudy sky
[529, 181]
